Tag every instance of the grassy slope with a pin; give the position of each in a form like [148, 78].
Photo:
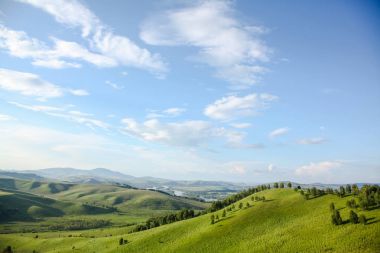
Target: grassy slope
[124, 199]
[285, 223]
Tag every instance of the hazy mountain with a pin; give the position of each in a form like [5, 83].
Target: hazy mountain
[20, 175]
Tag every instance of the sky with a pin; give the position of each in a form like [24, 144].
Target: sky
[244, 91]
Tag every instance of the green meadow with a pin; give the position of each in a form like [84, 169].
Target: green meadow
[284, 222]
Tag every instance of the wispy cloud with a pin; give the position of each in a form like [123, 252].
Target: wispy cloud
[120, 49]
[226, 44]
[233, 107]
[170, 112]
[312, 141]
[278, 132]
[114, 85]
[62, 54]
[70, 115]
[5, 117]
[320, 168]
[241, 125]
[29, 84]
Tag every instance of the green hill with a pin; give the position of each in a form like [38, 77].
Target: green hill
[285, 222]
[122, 198]
[21, 206]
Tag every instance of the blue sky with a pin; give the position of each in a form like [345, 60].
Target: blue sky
[252, 91]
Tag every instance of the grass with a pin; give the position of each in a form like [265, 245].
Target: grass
[286, 222]
[34, 206]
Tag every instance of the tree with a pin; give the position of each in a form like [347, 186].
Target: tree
[281, 185]
[351, 203]
[224, 213]
[217, 217]
[307, 195]
[332, 207]
[8, 249]
[355, 189]
[335, 218]
[247, 205]
[212, 217]
[342, 191]
[275, 185]
[314, 191]
[289, 185]
[362, 219]
[348, 189]
[263, 198]
[121, 241]
[240, 205]
[354, 217]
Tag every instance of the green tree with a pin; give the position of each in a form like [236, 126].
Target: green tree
[240, 205]
[275, 185]
[354, 217]
[212, 217]
[348, 188]
[289, 185]
[306, 196]
[336, 219]
[342, 191]
[281, 185]
[362, 219]
[224, 213]
[8, 249]
[247, 205]
[217, 217]
[332, 207]
[121, 241]
[314, 191]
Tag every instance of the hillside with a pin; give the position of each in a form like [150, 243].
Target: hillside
[285, 222]
[121, 197]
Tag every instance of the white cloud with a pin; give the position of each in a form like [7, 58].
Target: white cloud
[278, 132]
[60, 55]
[4, 117]
[232, 107]
[238, 169]
[114, 85]
[231, 47]
[170, 112]
[29, 84]
[186, 133]
[70, 115]
[314, 169]
[118, 49]
[270, 167]
[312, 141]
[241, 125]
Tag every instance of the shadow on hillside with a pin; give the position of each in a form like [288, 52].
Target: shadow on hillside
[226, 218]
[373, 208]
[372, 221]
[7, 183]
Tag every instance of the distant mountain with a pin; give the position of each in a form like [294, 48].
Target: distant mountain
[102, 175]
[22, 175]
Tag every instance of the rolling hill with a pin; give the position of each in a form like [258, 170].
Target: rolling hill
[285, 222]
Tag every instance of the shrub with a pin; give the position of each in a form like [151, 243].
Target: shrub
[332, 207]
[8, 249]
[212, 217]
[354, 217]
[335, 218]
[121, 241]
[362, 219]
